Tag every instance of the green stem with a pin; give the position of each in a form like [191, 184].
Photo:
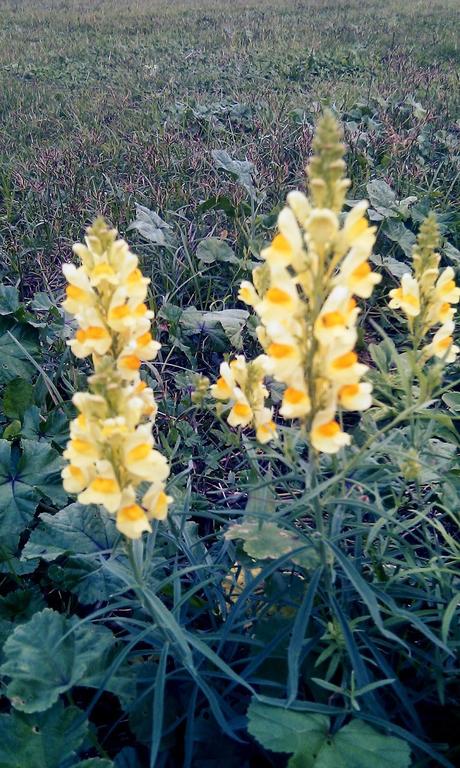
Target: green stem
[134, 562]
[319, 516]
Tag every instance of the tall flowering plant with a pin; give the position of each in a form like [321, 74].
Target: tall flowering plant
[110, 454]
[428, 298]
[305, 294]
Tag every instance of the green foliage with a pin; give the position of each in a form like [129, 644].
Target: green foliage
[308, 739]
[45, 740]
[47, 656]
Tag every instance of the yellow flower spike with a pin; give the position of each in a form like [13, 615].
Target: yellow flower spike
[242, 384]
[303, 295]
[111, 452]
[428, 296]
[326, 169]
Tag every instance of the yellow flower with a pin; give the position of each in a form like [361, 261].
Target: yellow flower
[355, 397]
[241, 413]
[342, 367]
[281, 301]
[265, 426]
[356, 274]
[131, 518]
[356, 232]
[322, 226]
[140, 459]
[445, 289]
[296, 403]
[156, 501]
[407, 296]
[92, 338]
[79, 291]
[289, 229]
[81, 452]
[326, 434]
[110, 451]
[442, 345]
[337, 318]
[248, 294]
[103, 489]
[279, 254]
[242, 385]
[300, 206]
[75, 478]
[284, 354]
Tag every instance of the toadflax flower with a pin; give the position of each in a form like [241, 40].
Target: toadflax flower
[304, 294]
[111, 456]
[241, 387]
[429, 297]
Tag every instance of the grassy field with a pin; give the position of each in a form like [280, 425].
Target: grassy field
[108, 104]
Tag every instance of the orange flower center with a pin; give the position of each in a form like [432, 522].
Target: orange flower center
[280, 351]
[345, 361]
[100, 270]
[412, 300]
[448, 287]
[280, 244]
[73, 292]
[140, 452]
[134, 277]
[93, 333]
[331, 319]
[145, 339]
[131, 362]
[242, 410]
[81, 446]
[104, 485]
[140, 310]
[357, 228]
[132, 512]
[75, 472]
[294, 396]
[222, 385]
[329, 429]
[445, 343]
[444, 308]
[277, 296]
[363, 270]
[118, 313]
[349, 390]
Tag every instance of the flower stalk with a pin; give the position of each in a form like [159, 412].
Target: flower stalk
[110, 454]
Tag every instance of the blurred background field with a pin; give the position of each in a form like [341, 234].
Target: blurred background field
[107, 104]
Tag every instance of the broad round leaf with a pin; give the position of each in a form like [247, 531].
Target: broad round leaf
[47, 656]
